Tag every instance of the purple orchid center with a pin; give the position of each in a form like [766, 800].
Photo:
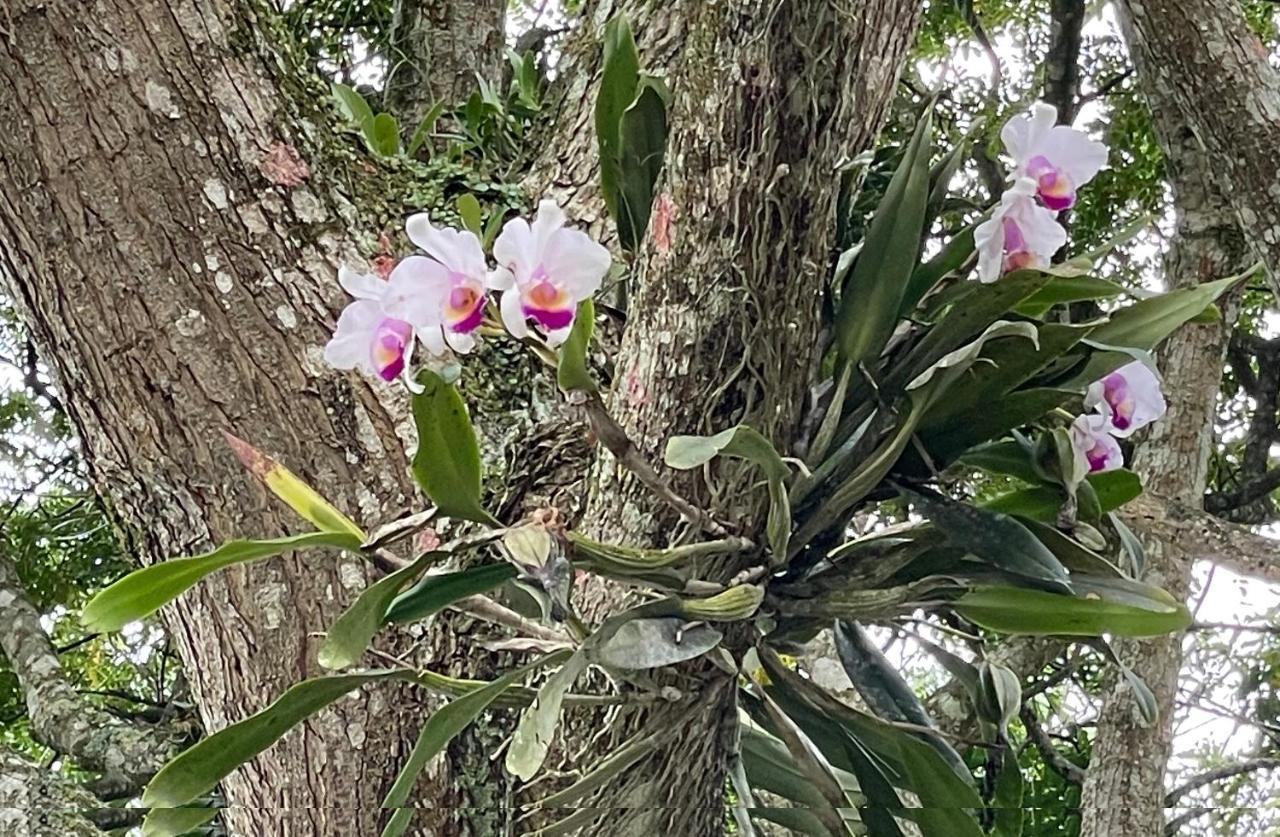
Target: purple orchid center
[1055, 189]
[465, 307]
[390, 340]
[1116, 391]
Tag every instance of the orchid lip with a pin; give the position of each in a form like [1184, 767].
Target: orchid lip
[471, 320]
[549, 318]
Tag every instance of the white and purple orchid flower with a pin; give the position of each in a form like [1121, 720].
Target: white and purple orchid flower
[441, 294]
[1020, 233]
[1124, 401]
[545, 270]
[1096, 449]
[1058, 158]
[1128, 399]
[367, 338]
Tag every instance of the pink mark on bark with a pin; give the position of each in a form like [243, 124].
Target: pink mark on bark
[284, 166]
[637, 393]
[426, 540]
[664, 223]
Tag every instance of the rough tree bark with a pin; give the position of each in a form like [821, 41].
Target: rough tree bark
[723, 316]
[1124, 787]
[1214, 70]
[437, 48]
[170, 228]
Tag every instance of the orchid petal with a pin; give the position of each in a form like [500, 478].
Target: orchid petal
[1128, 399]
[1096, 450]
[513, 315]
[361, 285]
[458, 250]
[1072, 152]
[418, 290]
[1023, 134]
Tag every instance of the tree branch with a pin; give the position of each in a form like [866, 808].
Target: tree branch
[1174, 825]
[1060, 764]
[60, 717]
[1205, 537]
[1062, 64]
[1217, 775]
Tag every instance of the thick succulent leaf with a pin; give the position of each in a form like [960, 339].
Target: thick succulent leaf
[1103, 606]
[198, 769]
[882, 687]
[295, 493]
[653, 643]
[470, 212]
[428, 124]
[820, 774]
[993, 537]
[142, 592]
[1007, 801]
[171, 822]
[538, 724]
[873, 293]
[1143, 697]
[440, 729]
[573, 373]
[447, 462]
[350, 635]
[436, 592]
[985, 422]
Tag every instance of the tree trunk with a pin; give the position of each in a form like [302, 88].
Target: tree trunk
[1213, 70]
[723, 317]
[1124, 788]
[170, 230]
[438, 48]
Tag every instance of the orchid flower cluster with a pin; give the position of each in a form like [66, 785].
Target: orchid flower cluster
[1051, 162]
[1121, 403]
[544, 270]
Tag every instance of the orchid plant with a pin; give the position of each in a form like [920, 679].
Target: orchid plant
[940, 370]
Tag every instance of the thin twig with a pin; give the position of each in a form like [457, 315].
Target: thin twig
[615, 439]
[1217, 775]
[482, 607]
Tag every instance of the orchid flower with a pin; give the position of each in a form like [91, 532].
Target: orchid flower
[1127, 399]
[442, 294]
[1096, 449]
[1058, 158]
[545, 270]
[1020, 233]
[366, 337]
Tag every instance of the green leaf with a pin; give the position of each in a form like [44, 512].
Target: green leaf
[198, 769]
[350, 635]
[447, 462]
[470, 213]
[1007, 800]
[143, 592]
[1043, 502]
[436, 592]
[685, 452]
[428, 124]
[952, 366]
[873, 294]
[1121, 607]
[383, 135]
[654, 643]
[644, 143]
[1064, 289]
[1147, 322]
[351, 104]
[993, 537]
[631, 132]
[985, 422]
[953, 256]
[440, 729]
[538, 724]
[295, 493]
[573, 373]
[171, 822]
